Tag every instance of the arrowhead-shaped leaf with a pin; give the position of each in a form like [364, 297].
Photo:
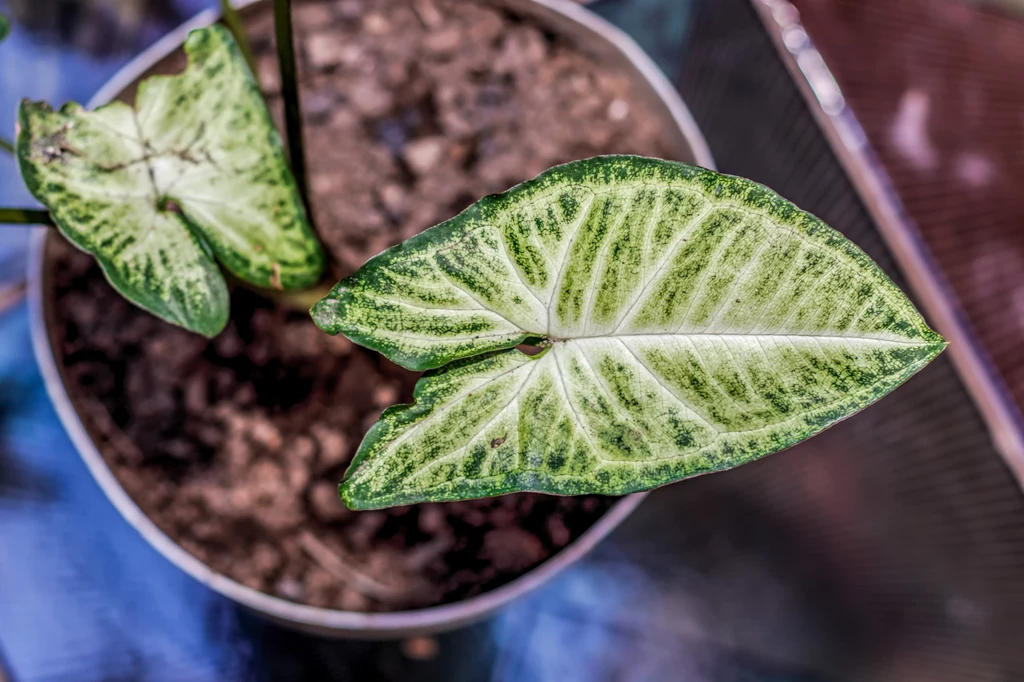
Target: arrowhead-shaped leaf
[201, 140]
[692, 322]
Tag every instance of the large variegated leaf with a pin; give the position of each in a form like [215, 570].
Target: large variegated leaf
[195, 171]
[691, 322]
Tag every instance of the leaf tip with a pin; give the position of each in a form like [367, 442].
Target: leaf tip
[325, 314]
[208, 325]
[936, 343]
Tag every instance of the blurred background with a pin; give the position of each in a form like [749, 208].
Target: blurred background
[889, 548]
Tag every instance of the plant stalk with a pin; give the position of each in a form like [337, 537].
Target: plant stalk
[7, 146]
[25, 216]
[290, 93]
[234, 24]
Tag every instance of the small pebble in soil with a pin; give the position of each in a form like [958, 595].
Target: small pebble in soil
[443, 42]
[558, 532]
[424, 155]
[428, 13]
[364, 529]
[618, 110]
[353, 600]
[301, 448]
[369, 98]
[385, 394]
[317, 106]
[512, 549]
[349, 9]
[310, 16]
[265, 559]
[334, 446]
[432, 518]
[290, 588]
[326, 504]
[375, 24]
[324, 50]
[392, 196]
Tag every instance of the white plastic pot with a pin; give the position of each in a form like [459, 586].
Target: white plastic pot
[586, 31]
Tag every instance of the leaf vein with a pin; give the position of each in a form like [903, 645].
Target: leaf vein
[515, 270]
[740, 279]
[665, 387]
[717, 253]
[455, 283]
[580, 425]
[457, 451]
[670, 253]
[584, 216]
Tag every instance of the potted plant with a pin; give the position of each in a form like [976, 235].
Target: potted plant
[615, 324]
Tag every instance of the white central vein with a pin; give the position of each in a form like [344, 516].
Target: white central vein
[727, 337]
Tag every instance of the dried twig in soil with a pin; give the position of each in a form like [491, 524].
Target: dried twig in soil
[333, 563]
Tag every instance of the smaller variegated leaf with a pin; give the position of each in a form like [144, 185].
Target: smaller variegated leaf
[195, 172]
[691, 322]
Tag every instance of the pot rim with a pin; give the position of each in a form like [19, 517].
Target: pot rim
[324, 620]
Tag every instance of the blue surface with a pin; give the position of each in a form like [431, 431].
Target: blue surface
[79, 589]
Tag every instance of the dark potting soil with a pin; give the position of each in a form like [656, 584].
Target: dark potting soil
[234, 446]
